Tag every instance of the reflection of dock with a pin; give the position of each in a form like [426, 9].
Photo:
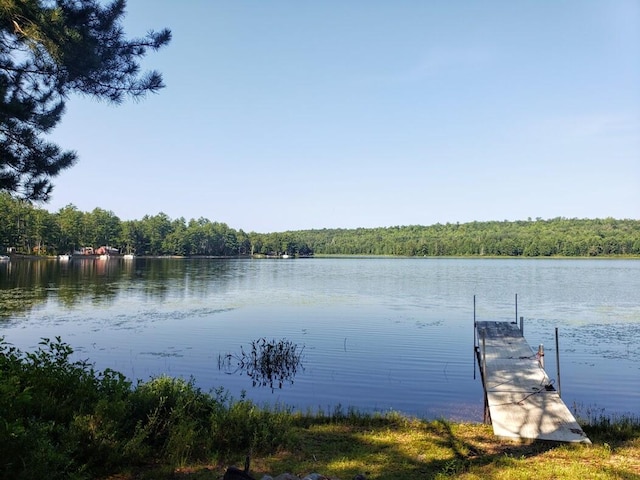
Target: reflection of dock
[520, 400]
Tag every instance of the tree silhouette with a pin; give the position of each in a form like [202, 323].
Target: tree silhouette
[49, 49]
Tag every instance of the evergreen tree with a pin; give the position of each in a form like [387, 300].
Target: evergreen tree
[48, 50]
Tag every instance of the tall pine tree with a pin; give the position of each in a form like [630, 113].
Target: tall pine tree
[49, 49]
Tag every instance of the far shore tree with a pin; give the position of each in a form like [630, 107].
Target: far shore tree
[29, 229]
[50, 49]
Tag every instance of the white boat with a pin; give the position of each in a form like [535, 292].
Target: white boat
[4, 258]
[64, 258]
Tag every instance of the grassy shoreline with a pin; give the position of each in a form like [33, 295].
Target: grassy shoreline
[63, 419]
[397, 447]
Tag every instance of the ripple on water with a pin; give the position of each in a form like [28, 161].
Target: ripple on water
[378, 334]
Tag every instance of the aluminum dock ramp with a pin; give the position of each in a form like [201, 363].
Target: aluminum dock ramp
[520, 399]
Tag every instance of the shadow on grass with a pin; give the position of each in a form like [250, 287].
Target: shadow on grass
[393, 448]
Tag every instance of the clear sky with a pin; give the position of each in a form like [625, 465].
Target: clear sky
[288, 115]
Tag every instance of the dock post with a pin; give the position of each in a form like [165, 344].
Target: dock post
[483, 372]
[522, 326]
[483, 333]
[516, 322]
[475, 341]
[487, 411]
[540, 355]
[475, 323]
[475, 338]
[558, 364]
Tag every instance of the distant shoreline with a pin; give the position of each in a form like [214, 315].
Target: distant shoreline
[19, 256]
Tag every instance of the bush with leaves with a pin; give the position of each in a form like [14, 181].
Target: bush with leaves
[56, 413]
[60, 418]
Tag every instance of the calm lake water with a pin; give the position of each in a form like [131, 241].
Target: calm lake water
[377, 334]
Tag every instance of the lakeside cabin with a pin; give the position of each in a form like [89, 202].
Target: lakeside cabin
[103, 250]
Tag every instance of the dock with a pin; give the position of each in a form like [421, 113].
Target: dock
[521, 401]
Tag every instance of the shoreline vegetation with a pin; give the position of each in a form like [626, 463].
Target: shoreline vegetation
[63, 419]
[338, 256]
[28, 230]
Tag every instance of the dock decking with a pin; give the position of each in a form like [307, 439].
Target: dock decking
[519, 403]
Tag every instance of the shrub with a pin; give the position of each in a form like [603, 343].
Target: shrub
[170, 417]
[242, 426]
[63, 419]
[54, 411]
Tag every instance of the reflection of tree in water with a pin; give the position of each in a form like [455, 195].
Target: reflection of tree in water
[267, 363]
[26, 283]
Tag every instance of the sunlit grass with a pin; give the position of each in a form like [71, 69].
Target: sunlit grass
[388, 450]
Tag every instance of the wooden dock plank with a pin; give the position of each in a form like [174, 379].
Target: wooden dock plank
[515, 384]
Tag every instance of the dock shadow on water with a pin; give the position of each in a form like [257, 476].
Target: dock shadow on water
[268, 363]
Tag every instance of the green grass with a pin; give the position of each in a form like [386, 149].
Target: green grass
[63, 419]
[401, 448]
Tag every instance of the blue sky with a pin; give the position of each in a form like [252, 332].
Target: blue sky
[283, 115]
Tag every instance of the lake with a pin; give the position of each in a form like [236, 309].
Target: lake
[376, 334]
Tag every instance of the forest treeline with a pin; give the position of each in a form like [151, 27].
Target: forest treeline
[27, 229]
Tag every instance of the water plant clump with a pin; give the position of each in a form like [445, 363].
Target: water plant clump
[268, 363]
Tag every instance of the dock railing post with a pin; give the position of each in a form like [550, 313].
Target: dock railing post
[475, 323]
[522, 326]
[487, 415]
[558, 364]
[475, 340]
[540, 355]
[483, 334]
